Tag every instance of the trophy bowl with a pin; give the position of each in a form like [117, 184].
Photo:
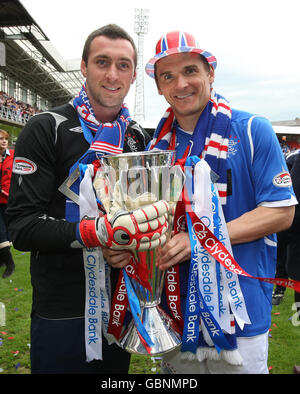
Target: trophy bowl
[126, 182]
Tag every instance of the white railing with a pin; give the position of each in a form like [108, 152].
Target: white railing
[14, 115]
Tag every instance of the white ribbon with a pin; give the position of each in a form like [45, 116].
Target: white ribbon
[97, 277]
[229, 281]
[206, 263]
[230, 292]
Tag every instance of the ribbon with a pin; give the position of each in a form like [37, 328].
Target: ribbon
[222, 255]
[172, 290]
[118, 308]
[203, 292]
[213, 245]
[172, 279]
[97, 274]
[93, 337]
[120, 301]
[136, 313]
[125, 295]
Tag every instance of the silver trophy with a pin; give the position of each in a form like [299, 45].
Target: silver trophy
[126, 182]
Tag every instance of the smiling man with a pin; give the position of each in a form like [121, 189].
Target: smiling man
[255, 193]
[186, 86]
[109, 70]
[42, 221]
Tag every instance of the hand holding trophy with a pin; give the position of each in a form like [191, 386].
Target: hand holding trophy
[141, 229]
[140, 192]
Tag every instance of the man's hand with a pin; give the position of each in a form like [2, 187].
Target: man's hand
[176, 250]
[141, 229]
[117, 258]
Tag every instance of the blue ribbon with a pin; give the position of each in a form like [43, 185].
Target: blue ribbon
[216, 220]
[136, 312]
[195, 304]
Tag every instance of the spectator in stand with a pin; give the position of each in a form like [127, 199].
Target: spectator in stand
[16, 109]
[284, 146]
[6, 165]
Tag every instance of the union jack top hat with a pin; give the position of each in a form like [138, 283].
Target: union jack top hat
[177, 42]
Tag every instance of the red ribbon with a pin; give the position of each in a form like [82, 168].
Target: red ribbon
[120, 302]
[137, 271]
[172, 281]
[221, 254]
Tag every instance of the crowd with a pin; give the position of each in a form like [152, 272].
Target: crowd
[288, 146]
[14, 109]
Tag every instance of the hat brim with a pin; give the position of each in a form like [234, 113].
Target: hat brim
[150, 66]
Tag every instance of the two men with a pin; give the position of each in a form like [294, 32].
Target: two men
[199, 123]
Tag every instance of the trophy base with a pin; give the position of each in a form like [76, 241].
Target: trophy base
[159, 328]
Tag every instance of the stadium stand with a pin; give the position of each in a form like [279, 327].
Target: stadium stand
[32, 72]
[16, 110]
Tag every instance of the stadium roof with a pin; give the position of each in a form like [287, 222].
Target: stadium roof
[31, 59]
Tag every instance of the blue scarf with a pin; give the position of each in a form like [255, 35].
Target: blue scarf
[209, 139]
[104, 139]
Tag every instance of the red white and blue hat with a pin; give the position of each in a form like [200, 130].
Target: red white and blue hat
[177, 42]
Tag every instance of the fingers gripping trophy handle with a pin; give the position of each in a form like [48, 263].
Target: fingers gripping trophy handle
[143, 229]
[152, 223]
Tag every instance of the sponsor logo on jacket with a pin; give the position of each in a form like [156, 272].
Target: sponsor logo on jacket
[24, 166]
[283, 179]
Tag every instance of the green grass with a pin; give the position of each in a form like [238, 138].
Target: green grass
[15, 293]
[284, 340]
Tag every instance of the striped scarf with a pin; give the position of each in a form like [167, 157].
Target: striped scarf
[104, 139]
[209, 140]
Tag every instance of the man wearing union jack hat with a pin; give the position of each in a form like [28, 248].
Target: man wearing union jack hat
[255, 196]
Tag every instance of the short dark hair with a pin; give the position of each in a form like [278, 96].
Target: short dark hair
[205, 62]
[111, 31]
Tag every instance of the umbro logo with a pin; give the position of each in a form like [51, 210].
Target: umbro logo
[77, 129]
